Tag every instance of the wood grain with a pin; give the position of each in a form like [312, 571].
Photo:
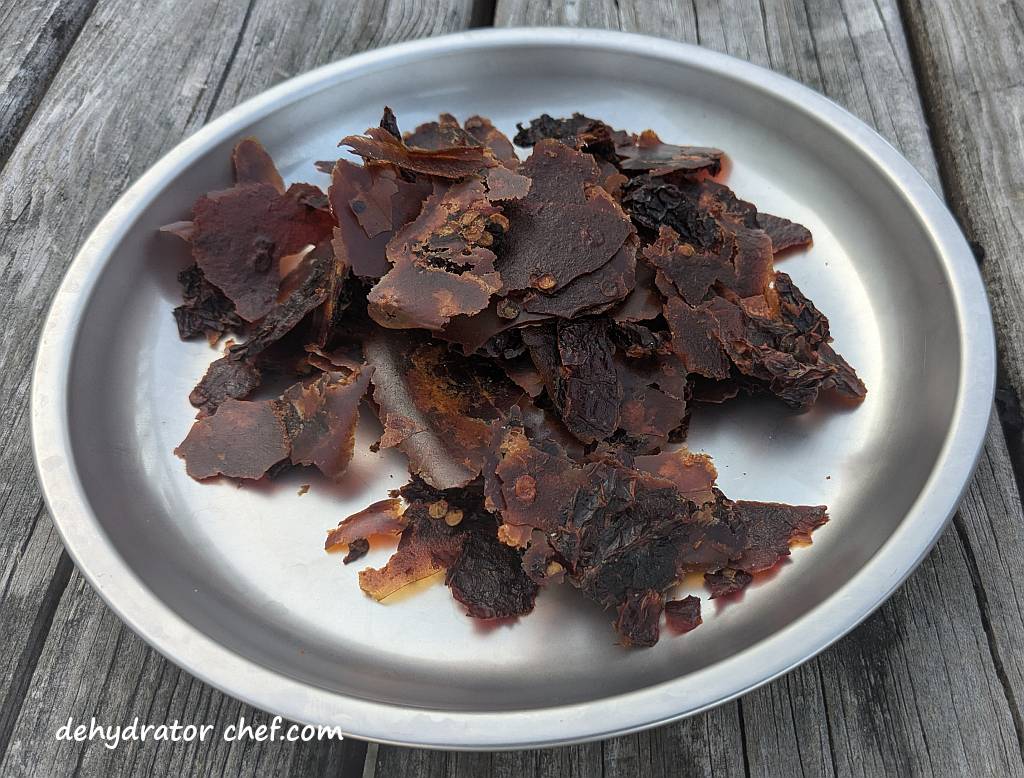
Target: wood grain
[139, 77]
[970, 57]
[972, 73]
[36, 37]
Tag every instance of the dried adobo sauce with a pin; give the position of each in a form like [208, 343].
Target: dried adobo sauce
[532, 335]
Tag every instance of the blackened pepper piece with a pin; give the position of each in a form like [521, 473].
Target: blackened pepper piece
[683, 615]
[638, 619]
[226, 378]
[488, 578]
[771, 529]
[204, 309]
[357, 549]
[726, 582]
[588, 395]
[578, 131]
[389, 122]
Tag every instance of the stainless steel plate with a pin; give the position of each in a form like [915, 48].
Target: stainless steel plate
[231, 583]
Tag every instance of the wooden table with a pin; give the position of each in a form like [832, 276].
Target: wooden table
[94, 91]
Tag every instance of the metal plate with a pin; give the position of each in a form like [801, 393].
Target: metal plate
[231, 583]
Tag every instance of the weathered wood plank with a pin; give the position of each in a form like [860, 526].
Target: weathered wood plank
[969, 57]
[36, 35]
[123, 97]
[93, 666]
[706, 747]
[920, 688]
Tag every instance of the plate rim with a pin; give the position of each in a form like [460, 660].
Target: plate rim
[202, 656]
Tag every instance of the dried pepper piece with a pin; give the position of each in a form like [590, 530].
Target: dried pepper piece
[243, 439]
[540, 454]
[735, 257]
[312, 423]
[589, 394]
[426, 548]
[445, 402]
[646, 152]
[720, 322]
[357, 549]
[639, 341]
[578, 131]
[553, 243]
[450, 530]
[775, 355]
[204, 309]
[253, 165]
[236, 374]
[575, 361]
[225, 379]
[727, 582]
[473, 333]
[639, 617]
[623, 536]
[696, 339]
[655, 402]
[322, 420]
[445, 133]
[682, 271]
[488, 135]
[429, 544]
[452, 162]
[372, 207]
[683, 615]
[396, 203]
[644, 302]
[441, 264]
[567, 226]
[384, 517]
[592, 292]
[785, 234]
[560, 174]
[242, 233]
[389, 122]
[694, 475]
[771, 529]
[488, 578]
[504, 183]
